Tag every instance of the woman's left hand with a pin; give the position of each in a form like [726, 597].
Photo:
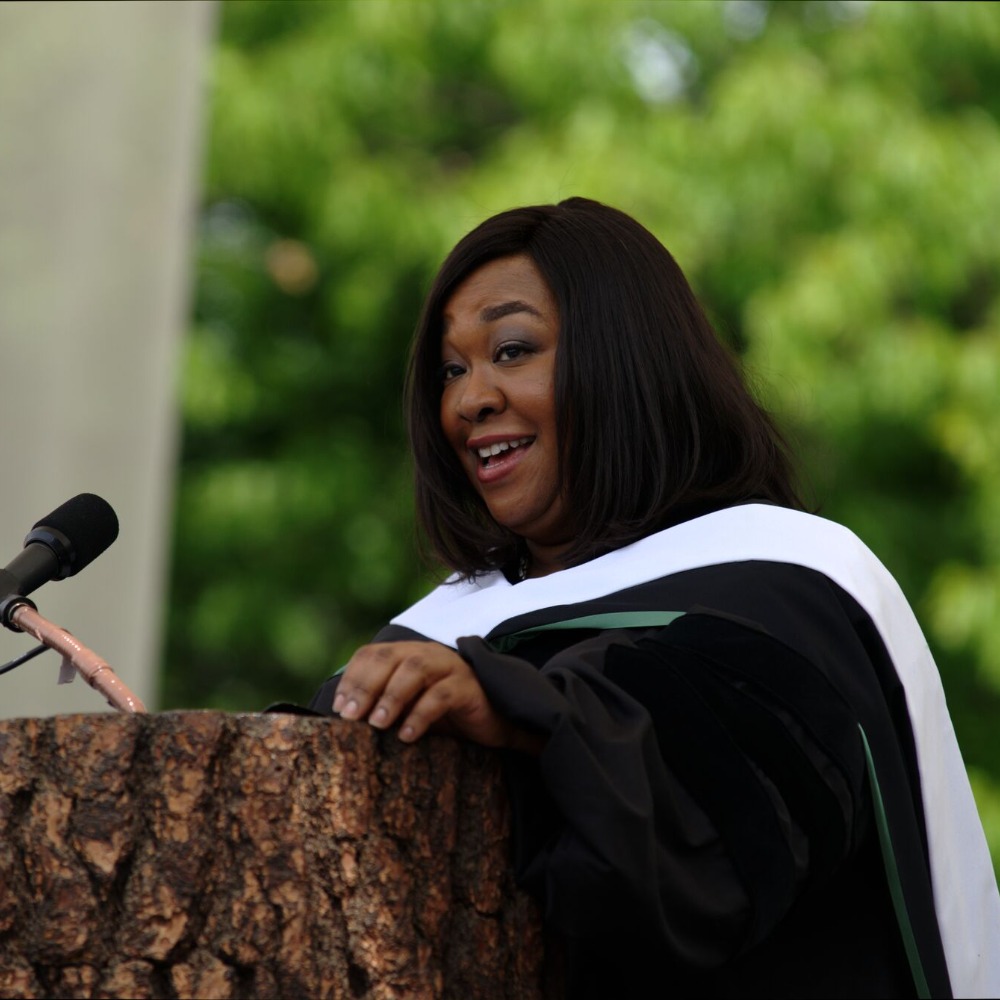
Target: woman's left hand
[425, 685]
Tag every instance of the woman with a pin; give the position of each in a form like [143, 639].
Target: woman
[699, 684]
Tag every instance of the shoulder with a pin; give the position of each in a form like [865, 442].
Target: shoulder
[720, 542]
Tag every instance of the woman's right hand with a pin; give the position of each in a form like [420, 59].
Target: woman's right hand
[423, 686]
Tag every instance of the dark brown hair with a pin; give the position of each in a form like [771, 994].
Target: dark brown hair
[652, 412]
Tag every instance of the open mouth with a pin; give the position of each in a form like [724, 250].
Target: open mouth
[494, 454]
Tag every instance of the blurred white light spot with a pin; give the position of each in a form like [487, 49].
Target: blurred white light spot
[744, 19]
[660, 63]
[849, 10]
[836, 11]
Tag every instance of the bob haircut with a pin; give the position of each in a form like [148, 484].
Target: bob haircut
[654, 420]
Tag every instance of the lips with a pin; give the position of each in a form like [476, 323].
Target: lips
[487, 452]
[496, 457]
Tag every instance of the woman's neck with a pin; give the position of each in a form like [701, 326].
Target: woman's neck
[545, 559]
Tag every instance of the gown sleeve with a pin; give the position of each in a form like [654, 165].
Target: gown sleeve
[696, 781]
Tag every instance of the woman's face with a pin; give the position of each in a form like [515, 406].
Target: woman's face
[498, 363]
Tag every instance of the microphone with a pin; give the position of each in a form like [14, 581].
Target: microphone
[59, 545]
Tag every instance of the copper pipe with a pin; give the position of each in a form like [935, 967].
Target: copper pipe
[91, 667]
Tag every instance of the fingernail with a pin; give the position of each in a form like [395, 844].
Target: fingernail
[378, 717]
[338, 703]
[350, 710]
[406, 734]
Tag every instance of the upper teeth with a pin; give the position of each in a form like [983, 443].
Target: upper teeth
[494, 449]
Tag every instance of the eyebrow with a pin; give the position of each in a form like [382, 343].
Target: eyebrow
[492, 313]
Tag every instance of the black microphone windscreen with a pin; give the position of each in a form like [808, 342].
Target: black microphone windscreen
[89, 524]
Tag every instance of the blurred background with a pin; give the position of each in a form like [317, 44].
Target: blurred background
[826, 173]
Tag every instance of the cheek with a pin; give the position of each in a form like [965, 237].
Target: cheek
[447, 422]
[543, 405]
[452, 434]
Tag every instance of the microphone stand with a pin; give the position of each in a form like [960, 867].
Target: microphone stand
[22, 614]
[22, 659]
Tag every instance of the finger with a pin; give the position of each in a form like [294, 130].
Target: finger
[419, 666]
[428, 709]
[413, 673]
[364, 679]
[450, 698]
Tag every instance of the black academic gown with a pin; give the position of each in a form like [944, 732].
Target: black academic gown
[702, 816]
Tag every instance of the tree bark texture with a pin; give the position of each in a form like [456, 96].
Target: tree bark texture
[199, 854]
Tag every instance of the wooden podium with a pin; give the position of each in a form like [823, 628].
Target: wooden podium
[200, 854]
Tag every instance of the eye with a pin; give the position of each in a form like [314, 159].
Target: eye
[450, 371]
[511, 351]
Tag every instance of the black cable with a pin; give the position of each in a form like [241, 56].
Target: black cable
[23, 658]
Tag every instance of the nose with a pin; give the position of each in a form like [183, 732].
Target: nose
[480, 395]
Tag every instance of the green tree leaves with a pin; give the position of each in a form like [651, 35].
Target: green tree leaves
[824, 172]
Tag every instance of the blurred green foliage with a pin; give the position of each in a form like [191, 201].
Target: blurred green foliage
[826, 173]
